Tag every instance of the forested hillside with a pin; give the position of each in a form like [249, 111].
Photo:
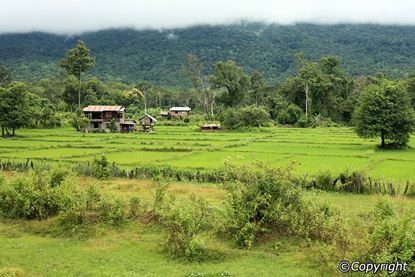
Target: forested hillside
[129, 55]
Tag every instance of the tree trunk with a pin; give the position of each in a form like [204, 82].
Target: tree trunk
[383, 141]
[13, 129]
[2, 131]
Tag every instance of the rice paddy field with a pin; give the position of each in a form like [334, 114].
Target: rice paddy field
[31, 248]
[332, 149]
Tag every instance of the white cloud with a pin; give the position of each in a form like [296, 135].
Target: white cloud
[75, 16]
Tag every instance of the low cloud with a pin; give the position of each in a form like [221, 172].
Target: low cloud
[77, 16]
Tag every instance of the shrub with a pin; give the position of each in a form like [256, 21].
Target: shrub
[392, 238]
[159, 197]
[320, 121]
[246, 117]
[290, 114]
[134, 207]
[354, 181]
[183, 220]
[113, 126]
[304, 122]
[263, 199]
[325, 181]
[59, 173]
[35, 196]
[101, 168]
[112, 212]
[79, 121]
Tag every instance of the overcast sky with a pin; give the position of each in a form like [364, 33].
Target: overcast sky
[76, 16]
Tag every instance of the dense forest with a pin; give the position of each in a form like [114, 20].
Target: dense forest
[128, 55]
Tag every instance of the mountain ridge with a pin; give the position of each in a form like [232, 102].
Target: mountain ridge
[130, 55]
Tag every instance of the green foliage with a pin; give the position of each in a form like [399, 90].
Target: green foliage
[392, 238]
[101, 168]
[290, 114]
[36, 196]
[354, 181]
[134, 207]
[159, 199]
[112, 212]
[246, 117]
[113, 126]
[262, 200]
[5, 75]
[232, 78]
[324, 181]
[17, 107]
[364, 49]
[385, 111]
[78, 60]
[183, 221]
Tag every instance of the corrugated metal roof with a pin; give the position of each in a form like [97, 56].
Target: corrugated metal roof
[104, 109]
[152, 118]
[177, 109]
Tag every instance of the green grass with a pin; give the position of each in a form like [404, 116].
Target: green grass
[334, 149]
[32, 249]
[134, 251]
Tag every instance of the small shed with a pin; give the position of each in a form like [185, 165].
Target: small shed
[179, 111]
[128, 126]
[147, 123]
[164, 114]
[211, 128]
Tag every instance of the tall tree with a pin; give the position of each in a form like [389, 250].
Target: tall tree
[257, 87]
[205, 95]
[77, 61]
[384, 110]
[229, 76]
[17, 106]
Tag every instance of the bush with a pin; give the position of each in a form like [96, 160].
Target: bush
[354, 181]
[392, 238]
[36, 196]
[134, 207]
[320, 121]
[112, 212]
[263, 200]
[79, 121]
[182, 221]
[325, 181]
[304, 122]
[101, 168]
[290, 114]
[113, 126]
[246, 117]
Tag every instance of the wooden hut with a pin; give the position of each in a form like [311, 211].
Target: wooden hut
[211, 128]
[179, 111]
[147, 123]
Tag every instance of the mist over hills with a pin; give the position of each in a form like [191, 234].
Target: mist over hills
[129, 55]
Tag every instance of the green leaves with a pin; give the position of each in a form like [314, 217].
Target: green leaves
[78, 60]
[232, 78]
[385, 111]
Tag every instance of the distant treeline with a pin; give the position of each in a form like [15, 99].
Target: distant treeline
[128, 55]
